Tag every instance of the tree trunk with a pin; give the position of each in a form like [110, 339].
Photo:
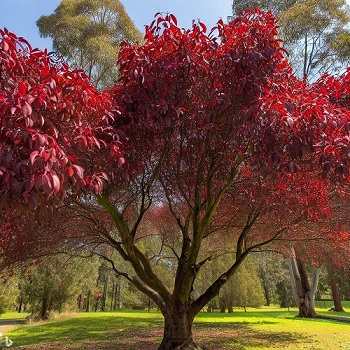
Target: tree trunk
[88, 301]
[338, 307]
[178, 330]
[120, 302]
[306, 306]
[44, 313]
[336, 295]
[265, 285]
[20, 304]
[304, 293]
[222, 305]
[115, 297]
[266, 290]
[104, 294]
[112, 296]
[79, 302]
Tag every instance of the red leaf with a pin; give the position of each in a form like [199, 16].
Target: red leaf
[173, 19]
[6, 46]
[22, 88]
[203, 26]
[79, 171]
[70, 171]
[27, 109]
[56, 183]
[33, 156]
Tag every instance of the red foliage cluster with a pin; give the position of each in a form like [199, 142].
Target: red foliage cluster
[194, 95]
[52, 123]
[200, 116]
[308, 123]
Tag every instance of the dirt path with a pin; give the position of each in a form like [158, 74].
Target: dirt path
[7, 325]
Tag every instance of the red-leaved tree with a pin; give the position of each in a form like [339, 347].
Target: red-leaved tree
[218, 136]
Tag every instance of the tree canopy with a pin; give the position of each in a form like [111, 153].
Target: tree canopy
[207, 140]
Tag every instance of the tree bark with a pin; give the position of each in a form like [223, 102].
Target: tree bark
[115, 296]
[265, 284]
[178, 322]
[266, 292]
[104, 294]
[112, 296]
[304, 292]
[79, 302]
[20, 304]
[119, 298]
[44, 313]
[88, 301]
[336, 295]
[338, 307]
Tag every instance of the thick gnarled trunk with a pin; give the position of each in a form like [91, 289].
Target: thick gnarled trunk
[178, 330]
[304, 292]
[307, 305]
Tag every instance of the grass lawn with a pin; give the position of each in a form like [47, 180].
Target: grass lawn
[257, 329]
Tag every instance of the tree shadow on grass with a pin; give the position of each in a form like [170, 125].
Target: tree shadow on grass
[240, 336]
[125, 334]
[257, 313]
[79, 329]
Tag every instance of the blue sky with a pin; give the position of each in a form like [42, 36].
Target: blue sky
[20, 16]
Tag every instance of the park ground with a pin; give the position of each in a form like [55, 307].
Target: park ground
[266, 328]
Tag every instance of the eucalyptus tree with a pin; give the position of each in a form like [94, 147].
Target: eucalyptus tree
[88, 33]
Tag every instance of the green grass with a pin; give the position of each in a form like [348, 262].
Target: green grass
[11, 315]
[259, 329]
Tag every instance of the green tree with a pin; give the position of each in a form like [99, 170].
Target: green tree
[244, 288]
[56, 282]
[8, 291]
[88, 33]
[276, 6]
[315, 32]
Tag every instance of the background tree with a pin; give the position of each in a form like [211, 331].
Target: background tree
[8, 292]
[243, 289]
[276, 6]
[54, 283]
[315, 33]
[88, 33]
[274, 276]
[334, 279]
[285, 294]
